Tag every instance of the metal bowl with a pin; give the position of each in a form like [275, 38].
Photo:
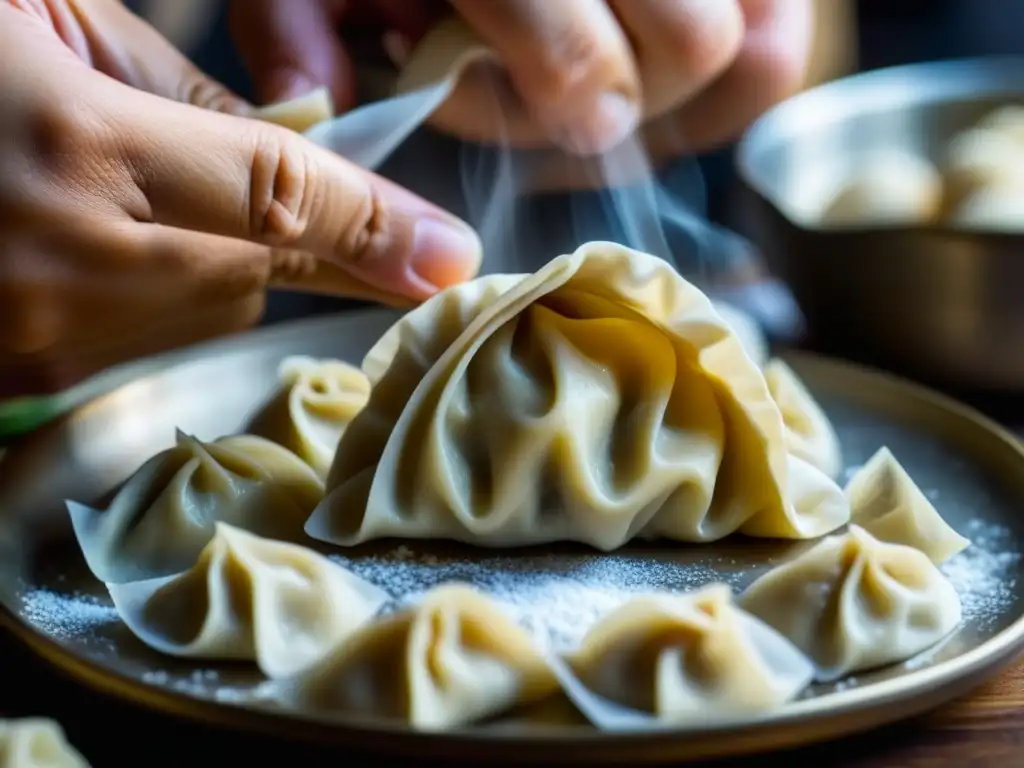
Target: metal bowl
[931, 302]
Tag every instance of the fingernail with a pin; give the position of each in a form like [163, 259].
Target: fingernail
[445, 253]
[613, 119]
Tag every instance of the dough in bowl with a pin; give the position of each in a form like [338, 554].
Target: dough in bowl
[600, 399]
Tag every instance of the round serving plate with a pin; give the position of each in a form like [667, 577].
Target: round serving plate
[972, 469]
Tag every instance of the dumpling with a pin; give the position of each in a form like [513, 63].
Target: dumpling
[36, 743]
[597, 400]
[854, 603]
[747, 330]
[887, 503]
[809, 433]
[980, 158]
[161, 519]
[318, 399]
[250, 599]
[299, 114]
[995, 208]
[1008, 120]
[451, 660]
[891, 188]
[688, 659]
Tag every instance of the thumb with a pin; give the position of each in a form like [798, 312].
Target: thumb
[231, 176]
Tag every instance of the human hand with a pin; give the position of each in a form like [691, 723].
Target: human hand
[140, 211]
[695, 72]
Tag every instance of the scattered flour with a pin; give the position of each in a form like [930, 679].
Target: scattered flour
[984, 574]
[556, 599]
[65, 616]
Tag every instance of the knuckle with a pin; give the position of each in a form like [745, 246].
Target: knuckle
[281, 192]
[201, 91]
[577, 60]
[31, 318]
[367, 230]
[704, 37]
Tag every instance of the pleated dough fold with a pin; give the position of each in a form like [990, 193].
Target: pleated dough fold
[317, 401]
[598, 400]
[453, 659]
[165, 513]
[854, 603]
[250, 599]
[886, 502]
[690, 659]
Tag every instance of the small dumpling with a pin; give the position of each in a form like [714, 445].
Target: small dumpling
[978, 159]
[299, 114]
[164, 515]
[887, 503]
[600, 399]
[1008, 120]
[36, 743]
[747, 330]
[809, 433]
[688, 659]
[318, 399]
[888, 189]
[854, 603]
[452, 660]
[995, 208]
[250, 599]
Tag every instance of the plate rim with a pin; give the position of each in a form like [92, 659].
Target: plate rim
[802, 723]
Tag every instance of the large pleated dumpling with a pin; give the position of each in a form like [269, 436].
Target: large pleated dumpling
[853, 603]
[316, 402]
[165, 513]
[453, 659]
[689, 659]
[36, 743]
[250, 599]
[600, 399]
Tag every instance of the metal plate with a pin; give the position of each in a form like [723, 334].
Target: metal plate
[972, 469]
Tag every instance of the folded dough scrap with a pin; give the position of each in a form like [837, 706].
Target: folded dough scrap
[299, 114]
[886, 502]
[600, 399]
[36, 743]
[809, 433]
[453, 659]
[854, 603]
[250, 599]
[693, 659]
[317, 401]
[165, 514]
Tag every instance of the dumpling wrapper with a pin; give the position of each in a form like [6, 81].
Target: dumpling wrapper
[809, 433]
[164, 515]
[37, 743]
[887, 503]
[451, 660]
[853, 603]
[689, 659]
[747, 330]
[890, 188]
[592, 401]
[995, 208]
[299, 114]
[976, 160]
[318, 400]
[250, 599]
